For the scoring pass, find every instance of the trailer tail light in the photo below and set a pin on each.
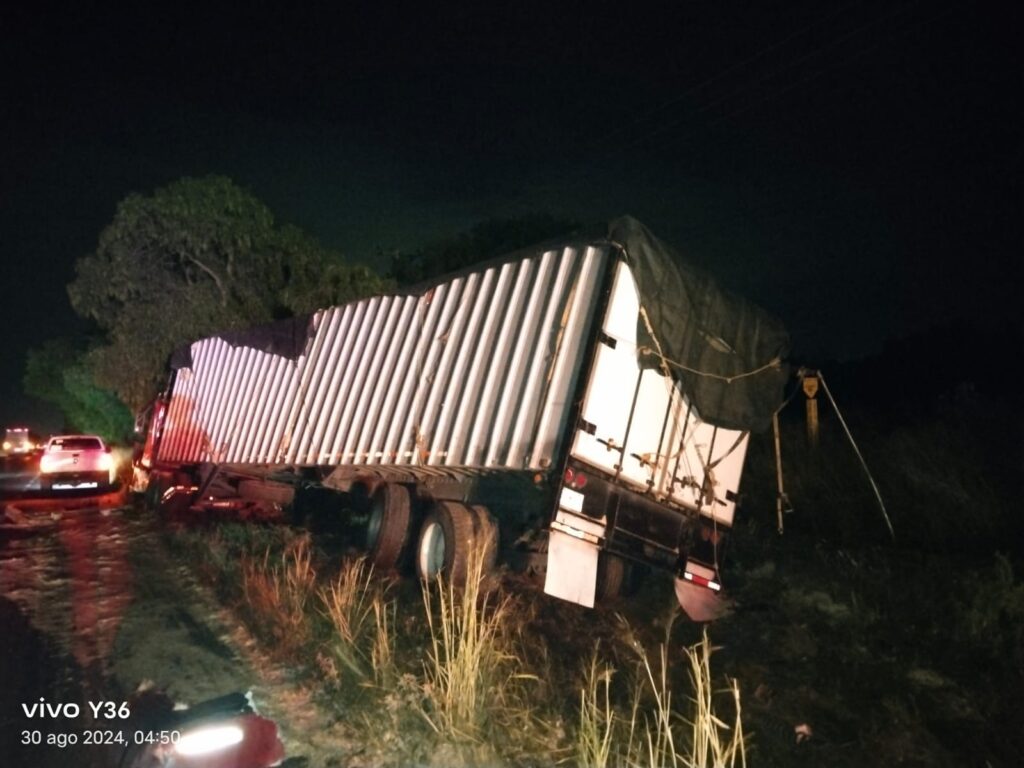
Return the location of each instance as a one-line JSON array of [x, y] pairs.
[[575, 479]]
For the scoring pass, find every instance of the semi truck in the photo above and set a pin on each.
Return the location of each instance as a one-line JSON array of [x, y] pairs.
[[579, 408]]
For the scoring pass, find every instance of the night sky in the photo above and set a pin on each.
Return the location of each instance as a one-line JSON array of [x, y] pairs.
[[853, 167]]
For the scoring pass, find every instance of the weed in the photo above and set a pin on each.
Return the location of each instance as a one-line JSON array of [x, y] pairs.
[[652, 734], [708, 745], [349, 603], [597, 717], [277, 593], [466, 673], [382, 652]]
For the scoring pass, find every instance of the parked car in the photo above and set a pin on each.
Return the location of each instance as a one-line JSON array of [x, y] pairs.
[[76, 461]]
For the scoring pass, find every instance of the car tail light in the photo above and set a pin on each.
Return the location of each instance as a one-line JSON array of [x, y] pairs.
[[106, 462], [46, 463]]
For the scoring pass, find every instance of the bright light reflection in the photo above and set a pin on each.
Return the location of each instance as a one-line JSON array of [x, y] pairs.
[[206, 740]]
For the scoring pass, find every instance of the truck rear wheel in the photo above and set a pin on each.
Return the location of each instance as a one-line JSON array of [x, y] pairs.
[[387, 529], [158, 483], [611, 575], [445, 540]]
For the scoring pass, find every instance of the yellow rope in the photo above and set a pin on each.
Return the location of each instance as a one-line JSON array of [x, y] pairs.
[[773, 363]]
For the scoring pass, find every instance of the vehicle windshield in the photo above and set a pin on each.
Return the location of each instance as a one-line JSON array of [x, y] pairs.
[[75, 444]]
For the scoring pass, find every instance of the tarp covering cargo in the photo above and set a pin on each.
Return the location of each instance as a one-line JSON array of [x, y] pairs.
[[725, 353]]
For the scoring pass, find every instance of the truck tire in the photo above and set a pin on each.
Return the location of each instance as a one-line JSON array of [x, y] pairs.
[[261, 490], [444, 543], [611, 575], [179, 501], [387, 529], [158, 483], [486, 533]]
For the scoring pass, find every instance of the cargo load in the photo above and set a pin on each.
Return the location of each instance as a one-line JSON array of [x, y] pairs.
[[578, 408]]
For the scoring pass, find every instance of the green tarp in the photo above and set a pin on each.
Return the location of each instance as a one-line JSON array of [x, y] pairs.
[[725, 353]]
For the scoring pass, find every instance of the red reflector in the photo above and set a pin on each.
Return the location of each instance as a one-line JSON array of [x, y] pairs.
[[702, 582], [696, 579], [581, 480], [569, 476]]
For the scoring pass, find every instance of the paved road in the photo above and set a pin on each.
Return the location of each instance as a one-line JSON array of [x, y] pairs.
[[19, 474], [91, 605]]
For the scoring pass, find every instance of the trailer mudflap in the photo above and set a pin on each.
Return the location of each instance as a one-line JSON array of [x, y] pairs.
[[573, 546], [699, 592]]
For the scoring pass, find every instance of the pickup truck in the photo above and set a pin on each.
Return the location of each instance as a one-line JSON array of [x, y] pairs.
[[76, 461]]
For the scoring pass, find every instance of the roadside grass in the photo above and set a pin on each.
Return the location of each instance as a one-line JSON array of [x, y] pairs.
[[908, 649], [652, 731], [362, 619], [878, 653], [277, 592], [458, 676]]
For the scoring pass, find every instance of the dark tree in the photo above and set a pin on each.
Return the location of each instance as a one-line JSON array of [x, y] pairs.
[[492, 237], [197, 257]]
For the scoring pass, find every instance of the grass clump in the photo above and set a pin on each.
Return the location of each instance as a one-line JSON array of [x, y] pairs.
[[467, 672], [277, 591], [361, 618], [652, 733], [597, 719], [442, 672]]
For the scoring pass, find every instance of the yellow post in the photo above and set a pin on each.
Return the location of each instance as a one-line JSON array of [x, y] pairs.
[[811, 389]]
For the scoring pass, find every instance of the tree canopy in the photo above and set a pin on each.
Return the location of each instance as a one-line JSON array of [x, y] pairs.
[[197, 257], [57, 373]]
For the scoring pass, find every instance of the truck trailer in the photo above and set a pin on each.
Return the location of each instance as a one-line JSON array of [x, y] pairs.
[[578, 408]]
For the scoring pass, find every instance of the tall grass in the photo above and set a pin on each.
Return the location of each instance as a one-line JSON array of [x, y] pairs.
[[467, 670], [277, 593], [456, 689], [355, 605], [653, 734], [597, 717], [712, 742], [382, 650]]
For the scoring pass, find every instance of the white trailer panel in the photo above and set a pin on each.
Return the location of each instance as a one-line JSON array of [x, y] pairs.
[[478, 372], [639, 427]]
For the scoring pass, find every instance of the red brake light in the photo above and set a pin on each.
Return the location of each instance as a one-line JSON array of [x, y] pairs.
[[575, 478]]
